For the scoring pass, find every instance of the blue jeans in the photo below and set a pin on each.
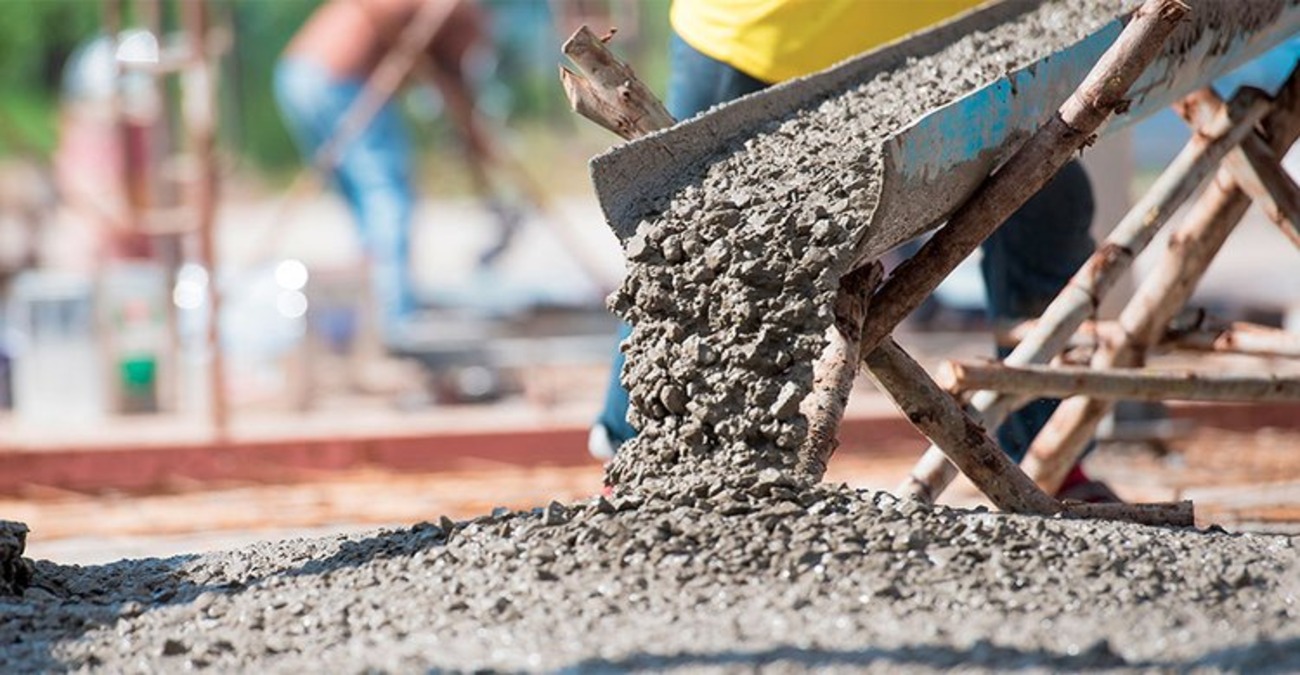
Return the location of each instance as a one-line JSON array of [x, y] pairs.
[[372, 174], [1026, 262]]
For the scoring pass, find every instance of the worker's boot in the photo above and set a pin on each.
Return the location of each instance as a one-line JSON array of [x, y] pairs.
[[1079, 487]]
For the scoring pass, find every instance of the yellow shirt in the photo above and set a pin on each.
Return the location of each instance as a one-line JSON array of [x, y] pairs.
[[776, 40]]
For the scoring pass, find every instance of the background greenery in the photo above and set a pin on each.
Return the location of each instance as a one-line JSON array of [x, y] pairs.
[[518, 88]]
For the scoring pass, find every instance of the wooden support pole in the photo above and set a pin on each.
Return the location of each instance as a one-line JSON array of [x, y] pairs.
[[610, 94], [835, 370], [199, 106], [937, 414], [1081, 296], [1254, 166], [1122, 383], [1238, 337], [1160, 296], [1170, 514], [1280, 198], [1028, 170]]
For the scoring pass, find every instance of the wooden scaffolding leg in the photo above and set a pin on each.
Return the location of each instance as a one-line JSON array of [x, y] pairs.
[[1079, 299], [1116, 383], [1255, 166], [1206, 335], [937, 414], [835, 370], [1160, 297]]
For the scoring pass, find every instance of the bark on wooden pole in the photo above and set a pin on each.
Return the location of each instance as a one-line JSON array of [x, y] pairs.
[[1280, 198], [199, 111], [1171, 514], [835, 370], [937, 414], [1238, 337], [1114, 384], [1028, 170], [1160, 296], [1255, 167], [1083, 293], [610, 94]]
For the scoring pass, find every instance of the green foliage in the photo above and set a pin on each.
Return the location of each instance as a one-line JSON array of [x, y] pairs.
[[36, 38], [251, 123], [520, 89]]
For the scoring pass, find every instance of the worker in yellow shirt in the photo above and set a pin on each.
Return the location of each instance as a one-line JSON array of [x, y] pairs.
[[723, 49]]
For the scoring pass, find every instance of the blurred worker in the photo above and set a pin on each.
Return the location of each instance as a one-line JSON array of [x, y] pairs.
[[324, 70], [723, 49]]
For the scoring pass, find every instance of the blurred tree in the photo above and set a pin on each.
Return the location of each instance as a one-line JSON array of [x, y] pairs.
[[517, 79], [36, 37], [250, 120]]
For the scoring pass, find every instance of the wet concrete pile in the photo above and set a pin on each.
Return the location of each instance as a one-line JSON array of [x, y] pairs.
[[15, 571], [730, 286], [769, 575]]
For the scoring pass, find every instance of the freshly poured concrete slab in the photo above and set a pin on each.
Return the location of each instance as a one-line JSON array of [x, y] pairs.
[[931, 164]]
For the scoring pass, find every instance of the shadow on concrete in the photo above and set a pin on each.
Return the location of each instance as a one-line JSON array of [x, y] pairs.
[[1264, 656], [64, 602]]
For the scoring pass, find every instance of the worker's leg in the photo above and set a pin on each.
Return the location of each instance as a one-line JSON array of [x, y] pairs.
[[302, 92], [612, 428], [372, 175], [1026, 263], [696, 83]]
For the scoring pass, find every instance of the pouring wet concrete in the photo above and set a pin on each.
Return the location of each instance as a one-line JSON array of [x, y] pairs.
[[730, 284]]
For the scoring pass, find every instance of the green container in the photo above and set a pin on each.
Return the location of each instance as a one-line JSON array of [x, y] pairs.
[[138, 379]]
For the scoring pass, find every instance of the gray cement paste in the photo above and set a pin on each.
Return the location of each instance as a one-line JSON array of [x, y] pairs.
[[774, 577], [730, 285]]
